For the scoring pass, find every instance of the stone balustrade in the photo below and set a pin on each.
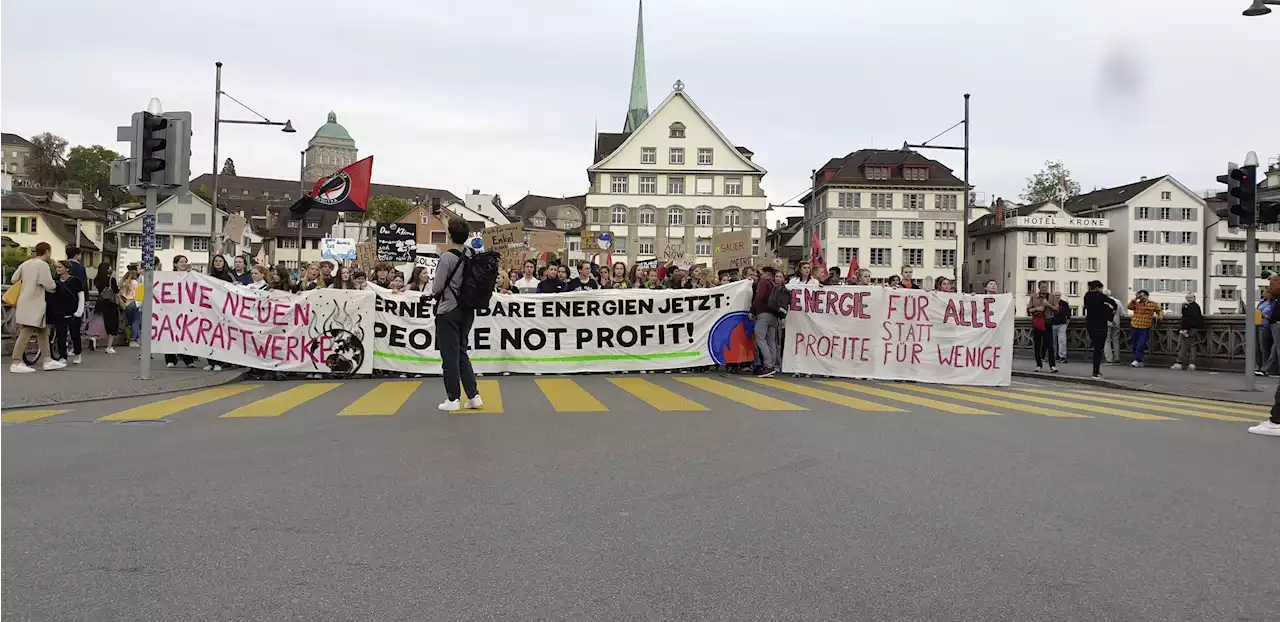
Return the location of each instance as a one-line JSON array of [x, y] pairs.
[[1221, 345]]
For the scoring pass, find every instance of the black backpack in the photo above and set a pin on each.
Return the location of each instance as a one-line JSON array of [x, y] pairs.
[[479, 278], [779, 300]]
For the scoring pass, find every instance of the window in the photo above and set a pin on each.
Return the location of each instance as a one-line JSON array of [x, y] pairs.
[[439, 237], [1187, 261], [913, 257], [881, 200], [1168, 237], [676, 155], [1031, 287], [1073, 239], [1142, 261], [1091, 264], [846, 255], [822, 230], [646, 247], [244, 192], [877, 172], [198, 244], [1164, 261], [755, 219], [944, 201], [1091, 239], [849, 199], [284, 242], [619, 184], [1050, 237], [620, 245], [675, 185], [702, 218], [882, 228], [702, 246], [677, 130], [847, 229], [1031, 237], [1144, 213], [1050, 263], [1033, 262], [648, 155], [291, 224], [1142, 237], [134, 241], [648, 216], [732, 218], [913, 229], [755, 247], [1073, 288], [733, 186], [945, 258], [618, 215], [1230, 268], [1073, 264], [1187, 214], [1166, 196], [648, 184], [1188, 237], [988, 243], [573, 244], [313, 224], [704, 156], [10, 224], [881, 256], [915, 173], [675, 216], [913, 201], [164, 218], [197, 219], [1236, 247], [1166, 213], [1189, 285]]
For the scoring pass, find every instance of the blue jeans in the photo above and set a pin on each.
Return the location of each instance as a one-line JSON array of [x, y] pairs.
[[1139, 336], [133, 315]]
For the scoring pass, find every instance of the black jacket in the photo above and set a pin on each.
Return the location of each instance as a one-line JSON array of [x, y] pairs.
[[1192, 317]]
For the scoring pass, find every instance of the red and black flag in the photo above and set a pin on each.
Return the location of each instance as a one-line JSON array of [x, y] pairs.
[[344, 191]]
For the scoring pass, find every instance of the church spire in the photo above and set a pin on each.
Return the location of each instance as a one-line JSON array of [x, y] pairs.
[[638, 108]]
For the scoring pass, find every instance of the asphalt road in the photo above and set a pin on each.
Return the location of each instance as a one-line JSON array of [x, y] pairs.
[[649, 510]]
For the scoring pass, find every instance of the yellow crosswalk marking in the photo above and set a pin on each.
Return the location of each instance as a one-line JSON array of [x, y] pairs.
[[282, 402], [657, 396], [947, 407], [384, 399], [1116, 412], [23, 416], [174, 405], [1223, 407], [491, 393], [824, 395], [567, 396], [758, 401], [978, 399], [1142, 399]]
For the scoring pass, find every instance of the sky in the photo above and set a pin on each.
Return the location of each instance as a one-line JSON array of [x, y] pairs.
[[504, 95]]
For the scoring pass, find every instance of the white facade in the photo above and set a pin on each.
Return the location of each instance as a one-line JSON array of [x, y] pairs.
[[1226, 251], [676, 180], [1044, 245], [181, 229]]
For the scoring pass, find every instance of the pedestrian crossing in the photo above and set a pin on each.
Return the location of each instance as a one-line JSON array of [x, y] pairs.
[[656, 394]]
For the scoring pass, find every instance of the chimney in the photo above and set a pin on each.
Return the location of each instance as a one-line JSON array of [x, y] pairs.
[[75, 200], [1144, 178], [475, 191]]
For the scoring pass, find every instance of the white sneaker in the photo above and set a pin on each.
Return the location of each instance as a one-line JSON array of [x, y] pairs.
[[51, 365], [1266, 428], [1135, 364], [76, 359], [473, 403], [1039, 369], [1191, 367], [1096, 377], [111, 350], [208, 367], [1176, 366], [134, 344], [450, 406], [63, 361], [20, 368], [217, 368], [168, 364]]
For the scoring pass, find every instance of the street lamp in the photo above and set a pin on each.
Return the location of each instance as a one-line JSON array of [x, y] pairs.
[[963, 251], [1259, 7], [286, 127]]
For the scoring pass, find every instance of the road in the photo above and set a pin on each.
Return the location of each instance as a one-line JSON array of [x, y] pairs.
[[641, 497]]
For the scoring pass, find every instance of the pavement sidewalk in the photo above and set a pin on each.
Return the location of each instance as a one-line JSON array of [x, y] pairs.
[[103, 376], [1213, 385]]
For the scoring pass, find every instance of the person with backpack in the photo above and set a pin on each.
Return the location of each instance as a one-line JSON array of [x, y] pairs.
[[467, 283], [780, 302], [766, 324]]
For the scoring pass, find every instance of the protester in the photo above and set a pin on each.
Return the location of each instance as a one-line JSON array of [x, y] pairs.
[[132, 312], [895, 281], [1271, 355], [1099, 315], [311, 278], [991, 287], [803, 275], [65, 309], [1058, 324], [284, 280], [382, 275], [862, 277], [77, 268], [833, 276], [106, 308], [241, 272], [419, 280], [908, 282], [219, 270], [1144, 317], [945, 285], [1041, 309], [780, 302], [453, 322], [343, 280], [504, 284], [180, 264], [1112, 349], [36, 280], [651, 280], [675, 279], [361, 279], [605, 279], [618, 275], [583, 281], [1189, 332], [766, 324], [550, 284], [326, 273]]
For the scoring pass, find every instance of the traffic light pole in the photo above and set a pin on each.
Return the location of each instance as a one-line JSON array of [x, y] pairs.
[[148, 279], [1250, 305]]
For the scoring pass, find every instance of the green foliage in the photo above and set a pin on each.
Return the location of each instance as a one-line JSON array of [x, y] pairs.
[[229, 168], [47, 162], [387, 209], [203, 192], [1052, 183], [89, 169], [11, 258]]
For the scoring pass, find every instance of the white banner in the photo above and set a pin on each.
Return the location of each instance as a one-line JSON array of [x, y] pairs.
[[591, 331], [321, 331], [900, 334]]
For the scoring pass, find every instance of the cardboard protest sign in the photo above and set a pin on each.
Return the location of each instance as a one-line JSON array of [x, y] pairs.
[[731, 249], [502, 236], [396, 241], [338, 249], [546, 241]]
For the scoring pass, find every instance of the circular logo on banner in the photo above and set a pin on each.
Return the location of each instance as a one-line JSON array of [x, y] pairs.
[[732, 339], [334, 190], [476, 243], [605, 241]]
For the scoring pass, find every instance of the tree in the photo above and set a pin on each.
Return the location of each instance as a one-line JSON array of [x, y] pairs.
[[1052, 183], [89, 168], [203, 192], [387, 209], [47, 162], [229, 168]]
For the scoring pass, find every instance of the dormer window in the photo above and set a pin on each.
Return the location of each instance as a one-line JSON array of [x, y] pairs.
[[877, 172], [915, 173], [677, 130]]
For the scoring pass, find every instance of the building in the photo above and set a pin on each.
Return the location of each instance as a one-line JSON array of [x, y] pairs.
[[14, 158], [329, 149], [786, 240], [1225, 247], [886, 209], [1157, 244], [671, 179], [1035, 243], [61, 219], [182, 228], [560, 214]]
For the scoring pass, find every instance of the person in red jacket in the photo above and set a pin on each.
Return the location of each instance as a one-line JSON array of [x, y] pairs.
[[766, 324]]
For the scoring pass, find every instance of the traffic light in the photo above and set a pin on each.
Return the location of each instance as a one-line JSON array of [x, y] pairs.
[[1268, 212], [1246, 191], [1236, 215], [152, 142]]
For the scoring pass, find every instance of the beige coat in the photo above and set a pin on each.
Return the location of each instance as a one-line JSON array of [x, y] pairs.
[[37, 279]]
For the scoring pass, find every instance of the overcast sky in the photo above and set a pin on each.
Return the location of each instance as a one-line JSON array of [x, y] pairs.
[[503, 95]]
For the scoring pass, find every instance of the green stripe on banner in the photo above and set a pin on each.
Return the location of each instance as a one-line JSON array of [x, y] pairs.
[[545, 359]]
